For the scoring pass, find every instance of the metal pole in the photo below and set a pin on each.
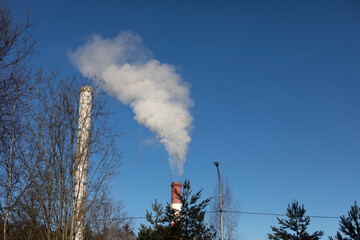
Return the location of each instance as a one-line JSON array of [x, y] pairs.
[[221, 204]]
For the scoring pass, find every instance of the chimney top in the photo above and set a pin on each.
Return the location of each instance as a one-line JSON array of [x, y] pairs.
[[86, 89]]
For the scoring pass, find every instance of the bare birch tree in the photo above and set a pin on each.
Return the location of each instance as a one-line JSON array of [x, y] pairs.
[[16, 83], [108, 220], [38, 129], [231, 213], [50, 157]]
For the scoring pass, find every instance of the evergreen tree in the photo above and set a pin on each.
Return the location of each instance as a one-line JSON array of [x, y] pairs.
[[349, 226], [297, 223], [158, 230], [188, 224]]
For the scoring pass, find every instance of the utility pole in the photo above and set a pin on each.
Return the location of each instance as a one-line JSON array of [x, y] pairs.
[[221, 204]]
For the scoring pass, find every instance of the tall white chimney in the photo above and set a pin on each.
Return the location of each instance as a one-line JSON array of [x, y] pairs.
[[81, 164]]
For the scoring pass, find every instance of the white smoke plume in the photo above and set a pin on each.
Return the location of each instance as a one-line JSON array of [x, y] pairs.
[[155, 91]]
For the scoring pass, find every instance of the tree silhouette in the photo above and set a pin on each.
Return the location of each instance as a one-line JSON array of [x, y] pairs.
[[296, 223], [349, 226]]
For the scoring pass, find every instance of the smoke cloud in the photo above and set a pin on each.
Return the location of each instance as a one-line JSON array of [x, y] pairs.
[[155, 91]]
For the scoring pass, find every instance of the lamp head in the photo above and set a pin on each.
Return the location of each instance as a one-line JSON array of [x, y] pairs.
[[216, 164]]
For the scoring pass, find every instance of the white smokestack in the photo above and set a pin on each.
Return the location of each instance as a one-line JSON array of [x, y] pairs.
[[154, 91], [81, 164]]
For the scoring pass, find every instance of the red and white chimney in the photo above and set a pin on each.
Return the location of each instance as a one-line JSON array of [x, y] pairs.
[[175, 201]]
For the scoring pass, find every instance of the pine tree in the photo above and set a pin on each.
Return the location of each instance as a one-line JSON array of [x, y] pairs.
[[297, 223], [157, 230], [349, 226], [189, 224]]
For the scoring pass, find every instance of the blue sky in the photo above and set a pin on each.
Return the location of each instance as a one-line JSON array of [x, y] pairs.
[[276, 92]]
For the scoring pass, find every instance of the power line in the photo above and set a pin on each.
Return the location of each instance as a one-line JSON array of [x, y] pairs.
[[116, 219], [253, 213], [239, 212], [280, 215]]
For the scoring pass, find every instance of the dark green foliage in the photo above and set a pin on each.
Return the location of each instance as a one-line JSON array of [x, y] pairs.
[[349, 226], [189, 224], [158, 230], [296, 223]]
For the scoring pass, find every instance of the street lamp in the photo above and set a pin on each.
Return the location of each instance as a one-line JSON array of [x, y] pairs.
[[221, 205]]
